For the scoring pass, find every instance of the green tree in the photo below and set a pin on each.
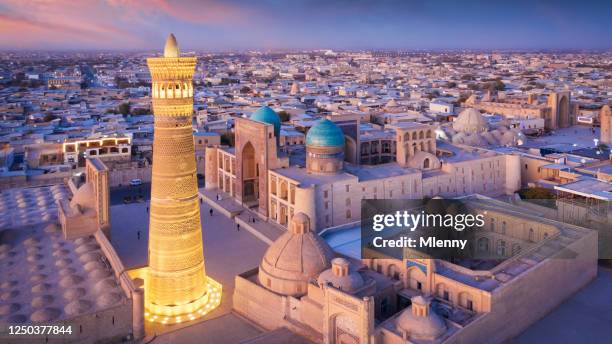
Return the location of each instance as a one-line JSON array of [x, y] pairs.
[[140, 112], [228, 139], [124, 109], [49, 117], [284, 116], [536, 193]]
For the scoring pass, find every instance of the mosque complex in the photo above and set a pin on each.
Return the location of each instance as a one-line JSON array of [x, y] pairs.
[[301, 283]]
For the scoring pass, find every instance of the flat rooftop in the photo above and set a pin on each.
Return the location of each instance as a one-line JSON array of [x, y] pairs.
[[300, 175], [589, 187], [463, 153], [381, 171]]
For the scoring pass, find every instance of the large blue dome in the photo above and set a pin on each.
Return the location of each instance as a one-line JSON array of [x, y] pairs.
[[325, 134], [266, 115]]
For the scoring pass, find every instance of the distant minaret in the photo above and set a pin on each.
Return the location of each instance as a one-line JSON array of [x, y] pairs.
[[605, 119], [176, 284], [295, 89]]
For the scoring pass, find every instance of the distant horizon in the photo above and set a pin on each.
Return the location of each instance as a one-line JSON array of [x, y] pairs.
[[295, 25], [297, 51]]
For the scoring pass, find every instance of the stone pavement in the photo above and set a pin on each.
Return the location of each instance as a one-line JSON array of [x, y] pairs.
[[226, 329], [227, 253], [263, 230]]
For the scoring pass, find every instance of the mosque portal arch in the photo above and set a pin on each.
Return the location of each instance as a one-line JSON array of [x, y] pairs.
[[249, 172]]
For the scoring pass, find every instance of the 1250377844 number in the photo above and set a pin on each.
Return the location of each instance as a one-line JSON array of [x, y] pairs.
[[39, 330]]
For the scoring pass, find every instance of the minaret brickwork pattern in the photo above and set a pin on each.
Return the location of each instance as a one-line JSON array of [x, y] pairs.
[[176, 282]]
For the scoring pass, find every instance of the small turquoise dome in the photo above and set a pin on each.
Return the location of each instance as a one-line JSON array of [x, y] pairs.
[[325, 134], [266, 115]]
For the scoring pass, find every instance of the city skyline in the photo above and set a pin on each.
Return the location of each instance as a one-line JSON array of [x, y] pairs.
[[272, 25]]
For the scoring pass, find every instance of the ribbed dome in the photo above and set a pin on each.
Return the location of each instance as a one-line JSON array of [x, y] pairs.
[[325, 134], [470, 121], [265, 114], [295, 258]]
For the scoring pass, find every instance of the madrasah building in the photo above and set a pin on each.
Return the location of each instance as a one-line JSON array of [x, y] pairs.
[[329, 297], [327, 183]]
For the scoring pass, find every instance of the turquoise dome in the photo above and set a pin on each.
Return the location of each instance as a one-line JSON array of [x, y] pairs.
[[325, 134], [266, 115]]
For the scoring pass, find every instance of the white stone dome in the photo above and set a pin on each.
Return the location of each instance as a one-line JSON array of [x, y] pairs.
[[108, 299], [470, 121], [295, 258], [9, 308], [74, 293], [42, 301], [45, 315], [77, 307]]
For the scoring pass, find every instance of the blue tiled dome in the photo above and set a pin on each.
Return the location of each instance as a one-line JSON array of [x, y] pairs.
[[266, 115], [325, 134]]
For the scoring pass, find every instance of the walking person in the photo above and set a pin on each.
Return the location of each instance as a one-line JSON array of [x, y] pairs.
[[237, 227], [210, 211], [138, 234]]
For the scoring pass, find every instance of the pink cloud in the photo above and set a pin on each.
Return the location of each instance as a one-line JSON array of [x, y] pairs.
[[118, 23]]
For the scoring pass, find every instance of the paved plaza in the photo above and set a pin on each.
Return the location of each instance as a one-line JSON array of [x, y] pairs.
[[227, 252]]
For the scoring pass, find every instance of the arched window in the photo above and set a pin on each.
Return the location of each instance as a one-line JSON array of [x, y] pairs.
[[426, 163], [421, 135], [501, 248], [483, 244]]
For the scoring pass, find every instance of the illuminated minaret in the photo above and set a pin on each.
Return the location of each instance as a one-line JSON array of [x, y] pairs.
[[176, 287]]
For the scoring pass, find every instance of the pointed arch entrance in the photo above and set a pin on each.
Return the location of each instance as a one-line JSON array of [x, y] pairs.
[[249, 173]]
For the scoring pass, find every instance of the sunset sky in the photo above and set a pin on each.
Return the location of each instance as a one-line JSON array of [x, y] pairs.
[[215, 25]]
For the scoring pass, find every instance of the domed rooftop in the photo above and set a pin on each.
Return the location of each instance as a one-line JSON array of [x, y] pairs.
[[341, 277], [470, 121], [265, 114], [295, 258], [391, 103], [420, 322], [325, 134]]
